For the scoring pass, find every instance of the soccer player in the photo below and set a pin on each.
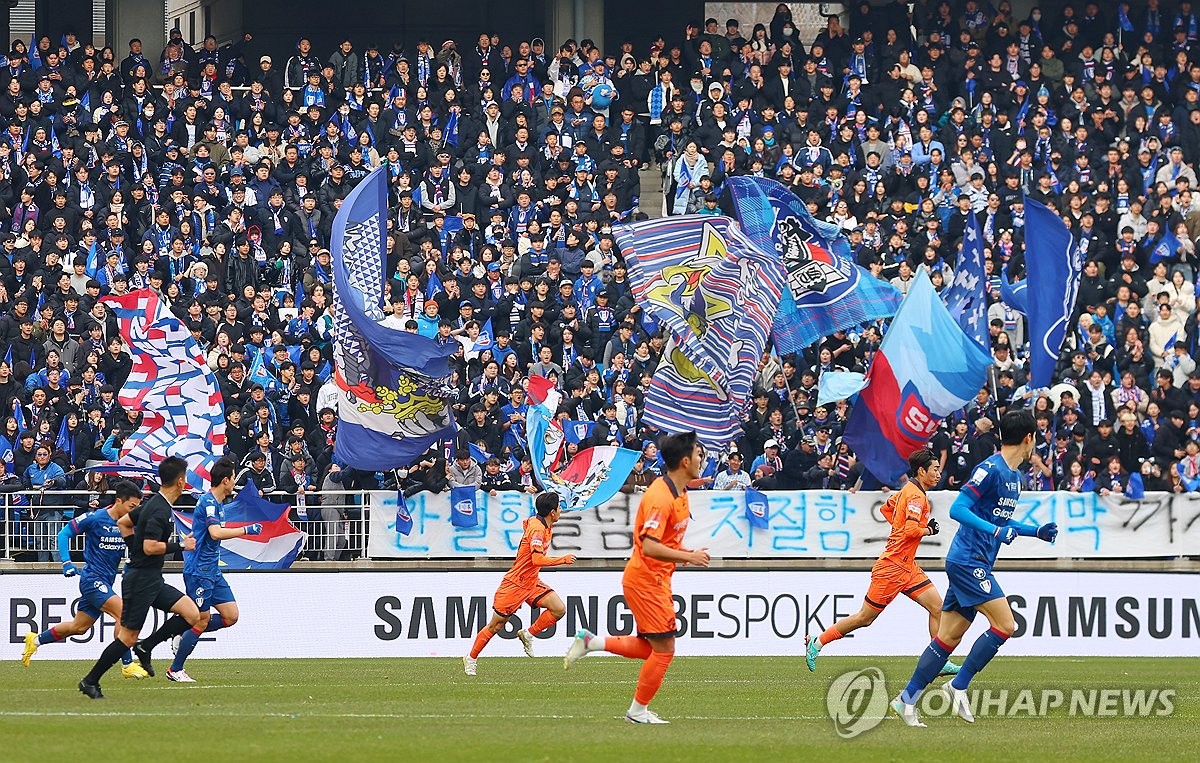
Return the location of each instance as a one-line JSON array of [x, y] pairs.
[[662, 518], [202, 576], [148, 531], [896, 571], [103, 550], [521, 584], [984, 510]]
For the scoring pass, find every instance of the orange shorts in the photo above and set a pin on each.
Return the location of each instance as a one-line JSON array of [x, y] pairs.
[[509, 598], [888, 583], [652, 607]]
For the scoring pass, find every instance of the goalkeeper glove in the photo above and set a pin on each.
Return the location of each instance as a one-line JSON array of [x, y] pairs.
[[254, 529], [1048, 532], [1005, 534], [934, 528], [70, 570]]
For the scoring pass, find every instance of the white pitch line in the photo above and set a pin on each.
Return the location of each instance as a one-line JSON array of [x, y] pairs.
[[383, 716]]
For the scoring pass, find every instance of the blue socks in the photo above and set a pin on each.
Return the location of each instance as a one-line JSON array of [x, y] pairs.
[[190, 638], [50, 636], [928, 667], [982, 652]]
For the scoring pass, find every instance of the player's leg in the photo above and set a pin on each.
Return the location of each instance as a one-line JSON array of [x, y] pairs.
[[139, 597], [553, 610], [633, 647], [650, 677], [928, 597], [186, 615], [129, 669], [493, 626], [1000, 618], [883, 589], [206, 593]]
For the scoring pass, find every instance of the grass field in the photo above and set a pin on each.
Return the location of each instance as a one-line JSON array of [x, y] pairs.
[[722, 709]]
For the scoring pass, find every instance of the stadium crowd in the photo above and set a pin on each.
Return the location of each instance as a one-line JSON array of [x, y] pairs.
[[212, 176]]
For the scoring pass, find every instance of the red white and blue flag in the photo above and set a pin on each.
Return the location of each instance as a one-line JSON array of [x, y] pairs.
[[592, 476], [926, 369], [717, 293], [174, 389], [275, 548]]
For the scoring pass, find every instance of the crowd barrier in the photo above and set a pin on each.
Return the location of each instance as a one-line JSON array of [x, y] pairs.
[[801, 525]]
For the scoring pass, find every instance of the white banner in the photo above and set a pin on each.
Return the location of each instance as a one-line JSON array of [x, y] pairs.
[[720, 612], [804, 524]]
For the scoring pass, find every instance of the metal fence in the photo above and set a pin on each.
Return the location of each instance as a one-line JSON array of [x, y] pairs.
[[336, 522]]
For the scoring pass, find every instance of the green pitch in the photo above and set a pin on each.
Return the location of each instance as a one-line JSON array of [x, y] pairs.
[[722, 709]]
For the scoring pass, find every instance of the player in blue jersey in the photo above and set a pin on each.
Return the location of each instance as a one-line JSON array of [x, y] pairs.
[[201, 571], [984, 510], [103, 550]]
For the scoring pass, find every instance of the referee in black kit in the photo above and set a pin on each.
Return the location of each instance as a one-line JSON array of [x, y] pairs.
[[148, 532]]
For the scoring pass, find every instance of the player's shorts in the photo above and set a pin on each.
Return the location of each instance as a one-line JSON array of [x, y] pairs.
[[888, 583], [509, 598], [208, 592], [969, 586], [652, 607], [141, 592], [92, 596]]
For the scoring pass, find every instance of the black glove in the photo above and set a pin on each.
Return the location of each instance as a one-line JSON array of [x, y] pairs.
[[934, 529]]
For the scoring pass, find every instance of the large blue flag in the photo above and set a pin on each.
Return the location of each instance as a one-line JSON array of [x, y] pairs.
[[275, 548], [1014, 293], [1167, 248], [926, 368], [1053, 263], [966, 299], [716, 292], [827, 291], [393, 384]]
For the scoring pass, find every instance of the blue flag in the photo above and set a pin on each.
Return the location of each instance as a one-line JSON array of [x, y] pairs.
[[35, 55], [577, 431], [839, 385], [966, 299], [1089, 484], [827, 291], [394, 385], [758, 510], [8, 357], [926, 369], [485, 340], [275, 548], [260, 375], [65, 442], [93, 260], [404, 521], [462, 507], [1136, 489], [716, 292], [19, 415], [478, 454], [1054, 264], [1013, 293], [1167, 248]]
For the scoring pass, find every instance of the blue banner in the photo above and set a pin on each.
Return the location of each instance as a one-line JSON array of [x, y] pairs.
[[1053, 263], [462, 507], [827, 291], [758, 510]]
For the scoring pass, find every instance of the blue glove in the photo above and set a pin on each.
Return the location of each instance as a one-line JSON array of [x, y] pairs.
[[254, 529], [1048, 532], [1005, 534], [70, 570]]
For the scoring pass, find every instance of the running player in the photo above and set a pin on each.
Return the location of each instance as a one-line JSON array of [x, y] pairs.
[[202, 576], [896, 571], [984, 510], [103, 550], [521, 584], [662, 518], [148, 531]]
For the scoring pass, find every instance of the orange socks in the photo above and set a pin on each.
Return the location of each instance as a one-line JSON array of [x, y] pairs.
[[651, 676], [628, 646], [544, 621], [830, 634], [481, 640]]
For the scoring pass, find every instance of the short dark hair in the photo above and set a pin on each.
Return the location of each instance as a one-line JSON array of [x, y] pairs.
[[171, 469], [675, 447], [1015, 426], [126, 490], [222, 470], [545, 503], [920, 459]]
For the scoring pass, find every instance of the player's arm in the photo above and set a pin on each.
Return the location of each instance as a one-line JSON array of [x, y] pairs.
[[70, 529], [655, 549], [537, 549], [907, 519], [156, 528], [1047, 532], [125, 525], [220, 532]]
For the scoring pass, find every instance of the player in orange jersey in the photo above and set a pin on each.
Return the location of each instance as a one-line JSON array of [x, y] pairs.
[[521, 584], [896, 571], [662, 518]]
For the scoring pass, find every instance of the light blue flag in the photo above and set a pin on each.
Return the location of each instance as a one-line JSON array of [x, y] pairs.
[[839, 385], [1054, 264], [966, 298]]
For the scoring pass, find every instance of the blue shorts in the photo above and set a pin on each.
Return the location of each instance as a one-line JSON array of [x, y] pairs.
[[208, 592], [969, 586], [92, 595]]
